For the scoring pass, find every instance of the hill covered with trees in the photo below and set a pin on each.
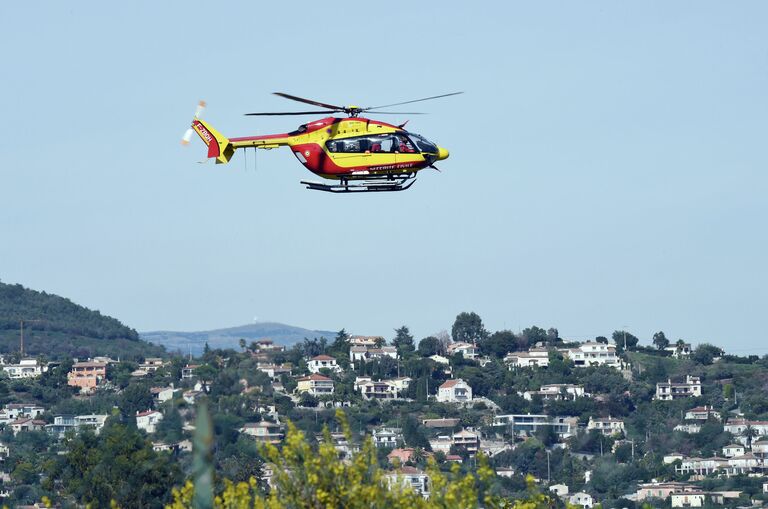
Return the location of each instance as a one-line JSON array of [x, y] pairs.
[[58, 327]]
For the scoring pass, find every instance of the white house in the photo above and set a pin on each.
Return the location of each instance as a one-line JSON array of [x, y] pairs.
[[323, 362], [556, 392], [593, 353], [729, 451], [688, 499], [583, 499], [669, 390], [559, 489], [13, 411], [743, 464], [440, 359], [534, 358], [702, 413], [264, 431], [387, 437], [27, 424], [677, 351], [760, 448], [274, 371], [688, 428], [529, 424], [454, 391], [606, 425], [467, 350], [466, 439], [410, 477], [148, 420], [26, 368]]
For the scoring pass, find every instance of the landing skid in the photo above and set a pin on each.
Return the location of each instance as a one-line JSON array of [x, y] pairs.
[[374, 185]]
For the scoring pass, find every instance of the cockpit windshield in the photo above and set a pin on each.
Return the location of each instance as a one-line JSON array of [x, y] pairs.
[[424, 144]]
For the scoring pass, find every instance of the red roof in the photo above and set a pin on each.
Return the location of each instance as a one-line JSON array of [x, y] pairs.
[[316, 378], [450, 383], [323, 358], [148, 412]]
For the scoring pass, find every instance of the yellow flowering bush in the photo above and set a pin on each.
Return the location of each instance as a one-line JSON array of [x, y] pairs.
[[316, 478]]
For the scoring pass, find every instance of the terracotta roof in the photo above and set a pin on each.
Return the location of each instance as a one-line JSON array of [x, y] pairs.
[[316, 378], [323, 358], [148, 412], [450, 383]]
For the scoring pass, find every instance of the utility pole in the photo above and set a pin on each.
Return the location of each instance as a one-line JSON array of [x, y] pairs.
[[549, 478], [21, 334]]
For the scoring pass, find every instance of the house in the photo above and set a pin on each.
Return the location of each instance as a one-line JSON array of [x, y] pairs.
[[688, 428], [743, 464], [151, 364], [404, 455], [559, 489], [358, 353], [64, 423], [680, 350], [533, 358], [760, 449], [267, 345], [264, 431], [315, 364], [388, 438], [729, 451], [454, 391], [13, 411], [582, 499], [688, 499], [702, 466], [315, 384], [671, 458], [410, 478], [440, 423], [87, 375], [592, 353], [440, 359], [162, 394], [340, 443], [366, 340], [381, 390], [606, 425], [274, 371], [668, 391], [466, 439], [192, 396], [188, 371], [26, 368], [27, 424], [441, 443], [740, 426], [148, 420], [528, 424], [702, 413], [661, 490], [467, 350], [556, 392]]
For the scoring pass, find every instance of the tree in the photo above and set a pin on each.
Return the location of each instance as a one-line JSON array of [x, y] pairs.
[[660, 340], [601, 339], [706, 353], [135, 398], [340, 344], [118, 464], [403, 341], [624, 340], [468, 328], [499, 343], [242, 344], [429, 346]]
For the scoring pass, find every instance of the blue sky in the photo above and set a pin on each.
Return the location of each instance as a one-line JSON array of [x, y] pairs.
[[607, 169]]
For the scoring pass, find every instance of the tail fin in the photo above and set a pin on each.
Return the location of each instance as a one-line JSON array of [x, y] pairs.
[[218, 145]]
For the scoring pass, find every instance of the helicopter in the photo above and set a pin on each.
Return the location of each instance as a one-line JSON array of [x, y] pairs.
[[360, 154]]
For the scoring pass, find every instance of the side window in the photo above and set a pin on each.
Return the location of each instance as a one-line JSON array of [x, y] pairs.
[[381, 144], [404, 145]]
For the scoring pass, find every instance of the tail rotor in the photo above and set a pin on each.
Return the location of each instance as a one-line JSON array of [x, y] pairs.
[[188, 135]]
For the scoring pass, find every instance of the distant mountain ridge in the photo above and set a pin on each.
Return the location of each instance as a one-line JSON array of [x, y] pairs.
[[57, 327], [194, 342]]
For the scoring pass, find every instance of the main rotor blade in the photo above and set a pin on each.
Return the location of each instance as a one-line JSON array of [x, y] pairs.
[[293, 113], [414, 101], [309, 101], [397, 113]]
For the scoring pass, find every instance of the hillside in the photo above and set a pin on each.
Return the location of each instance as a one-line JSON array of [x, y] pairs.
[[230, 337], [57, 327]]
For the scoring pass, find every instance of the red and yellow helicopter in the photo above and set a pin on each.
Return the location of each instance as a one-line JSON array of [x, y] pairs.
[[364, 155]]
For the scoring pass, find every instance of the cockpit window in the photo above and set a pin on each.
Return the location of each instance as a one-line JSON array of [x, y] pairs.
[[424, 144]]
